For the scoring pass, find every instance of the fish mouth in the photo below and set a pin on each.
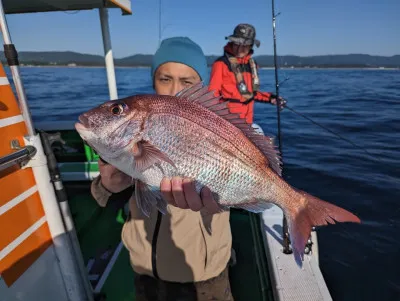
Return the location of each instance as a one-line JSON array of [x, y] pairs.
[[80, 127], [83, 131], [84, 120], [83, 125]]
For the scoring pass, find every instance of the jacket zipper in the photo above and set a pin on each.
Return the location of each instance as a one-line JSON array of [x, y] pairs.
[[154, 245]]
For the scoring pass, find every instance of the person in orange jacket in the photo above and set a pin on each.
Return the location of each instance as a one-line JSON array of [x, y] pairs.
[[234, 76]]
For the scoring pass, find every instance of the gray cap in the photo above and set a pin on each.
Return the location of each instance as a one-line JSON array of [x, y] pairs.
[[244, 34]]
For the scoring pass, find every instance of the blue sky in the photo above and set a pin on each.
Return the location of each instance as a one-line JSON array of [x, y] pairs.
[[308, 27]]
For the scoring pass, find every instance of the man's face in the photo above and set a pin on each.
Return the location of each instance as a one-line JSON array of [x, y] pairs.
[[170, 78], [241, 50]]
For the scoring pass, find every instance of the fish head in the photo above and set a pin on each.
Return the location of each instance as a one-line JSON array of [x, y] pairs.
[[113, 127]]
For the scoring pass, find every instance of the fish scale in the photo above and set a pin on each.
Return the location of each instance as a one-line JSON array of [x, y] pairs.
[[232, 180]]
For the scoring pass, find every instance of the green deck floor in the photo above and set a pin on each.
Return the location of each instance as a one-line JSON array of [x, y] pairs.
[[99, 234]]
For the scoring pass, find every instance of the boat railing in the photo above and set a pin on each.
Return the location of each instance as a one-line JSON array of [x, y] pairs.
[[21, 156]]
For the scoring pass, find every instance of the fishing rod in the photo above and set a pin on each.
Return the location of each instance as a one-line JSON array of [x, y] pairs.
[[332, 132], [285, 232], [278, 111]]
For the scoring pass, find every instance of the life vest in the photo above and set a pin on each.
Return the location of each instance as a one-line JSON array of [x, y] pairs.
[[237, 68], [228, 75]]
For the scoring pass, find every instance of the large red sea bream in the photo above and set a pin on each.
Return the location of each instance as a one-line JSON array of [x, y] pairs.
[[193, 135]]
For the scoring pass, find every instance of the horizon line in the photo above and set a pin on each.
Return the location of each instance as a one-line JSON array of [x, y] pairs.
[[254, 55]]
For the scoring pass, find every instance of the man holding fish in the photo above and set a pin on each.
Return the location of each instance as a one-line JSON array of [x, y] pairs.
[[175, 248]]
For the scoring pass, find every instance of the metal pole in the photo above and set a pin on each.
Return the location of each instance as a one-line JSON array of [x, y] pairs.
[[276, 79], [12, 60], [62, 244], [285, 232], [112, 84], [159, 23], [62, 198]]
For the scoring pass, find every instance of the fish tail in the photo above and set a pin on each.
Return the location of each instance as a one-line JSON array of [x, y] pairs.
[[315, 212]]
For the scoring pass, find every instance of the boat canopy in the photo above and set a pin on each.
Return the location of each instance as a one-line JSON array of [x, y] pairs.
[[36, 6]]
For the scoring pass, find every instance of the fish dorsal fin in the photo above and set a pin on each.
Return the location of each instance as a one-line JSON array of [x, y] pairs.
[[197, 93], [187, 92], [201, 95], [264, 143], [266, 146]]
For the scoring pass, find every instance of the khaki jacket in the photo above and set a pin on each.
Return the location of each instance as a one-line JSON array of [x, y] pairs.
[[181, 246]]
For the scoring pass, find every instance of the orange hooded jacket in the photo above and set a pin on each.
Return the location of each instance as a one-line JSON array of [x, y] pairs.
[[223, 82]]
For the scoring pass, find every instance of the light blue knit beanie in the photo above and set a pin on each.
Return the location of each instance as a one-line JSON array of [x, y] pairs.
[[181, 50]]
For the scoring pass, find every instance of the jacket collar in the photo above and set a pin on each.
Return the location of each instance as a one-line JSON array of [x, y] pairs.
[[241, 60]]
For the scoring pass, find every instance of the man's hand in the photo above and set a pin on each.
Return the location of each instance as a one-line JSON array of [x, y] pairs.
[[269, 97], [113, 179], [181, 193], [282, 101]]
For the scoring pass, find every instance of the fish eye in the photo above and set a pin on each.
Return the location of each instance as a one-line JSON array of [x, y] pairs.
[[117, 109]]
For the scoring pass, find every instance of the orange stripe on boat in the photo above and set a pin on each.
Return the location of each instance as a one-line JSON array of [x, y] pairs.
[[2, 71], [22, 257], [9, 133], [15, 183], [8, 103], [127, 10], [26, 216], [9, 108], [19, 218]]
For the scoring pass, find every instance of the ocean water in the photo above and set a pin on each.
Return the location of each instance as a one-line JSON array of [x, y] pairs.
[[358, 262]]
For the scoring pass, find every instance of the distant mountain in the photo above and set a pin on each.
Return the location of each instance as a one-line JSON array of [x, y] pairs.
[[56, 58], [352, 60], [64, 58], [134, 60]]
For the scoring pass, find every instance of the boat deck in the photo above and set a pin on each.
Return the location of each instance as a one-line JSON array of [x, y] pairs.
[[292, 282]]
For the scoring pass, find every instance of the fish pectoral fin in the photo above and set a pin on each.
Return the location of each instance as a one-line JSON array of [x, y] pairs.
[[146, 198], [146, 154]]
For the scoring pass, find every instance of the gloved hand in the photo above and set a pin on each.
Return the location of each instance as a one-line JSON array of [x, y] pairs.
[[269, 97], [282, 101], [262, 96]]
